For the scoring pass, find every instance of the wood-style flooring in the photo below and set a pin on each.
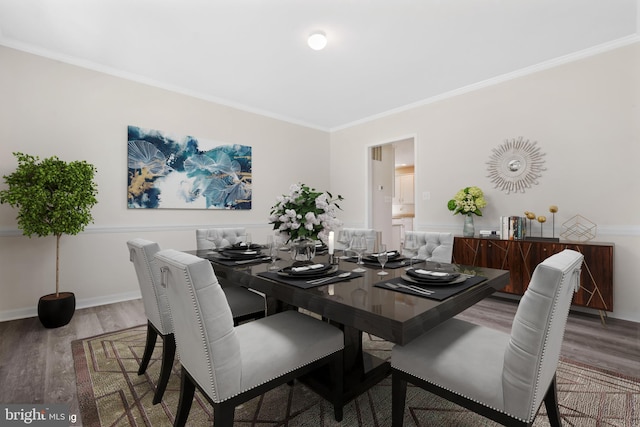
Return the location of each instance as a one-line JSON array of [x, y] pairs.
[[36, 364]]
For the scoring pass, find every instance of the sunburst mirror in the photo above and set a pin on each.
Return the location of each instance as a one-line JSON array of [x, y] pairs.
[[515, 165]]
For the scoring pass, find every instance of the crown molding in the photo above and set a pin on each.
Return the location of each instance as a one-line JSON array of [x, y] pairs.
[[556, 62], [100, 68]]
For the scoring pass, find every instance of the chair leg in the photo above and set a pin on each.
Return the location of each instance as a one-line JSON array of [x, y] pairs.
[[152, 335], [398, 400], [223, 414], [551, 404], [187, 390], [168, 354], [337, 375]]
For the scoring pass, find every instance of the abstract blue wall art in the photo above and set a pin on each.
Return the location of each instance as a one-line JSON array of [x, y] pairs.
[[182, 172]]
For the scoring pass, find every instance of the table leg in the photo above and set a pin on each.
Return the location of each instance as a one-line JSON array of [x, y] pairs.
[[362, 370]]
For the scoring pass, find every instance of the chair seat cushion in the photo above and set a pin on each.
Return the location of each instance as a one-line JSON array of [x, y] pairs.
[[288, 340], [242, 301], [458, 356]]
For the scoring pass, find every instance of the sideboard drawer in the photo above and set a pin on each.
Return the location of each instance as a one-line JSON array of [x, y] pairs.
[[521, 257]]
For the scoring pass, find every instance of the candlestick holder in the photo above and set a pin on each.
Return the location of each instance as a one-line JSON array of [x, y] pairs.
[[541, 219]]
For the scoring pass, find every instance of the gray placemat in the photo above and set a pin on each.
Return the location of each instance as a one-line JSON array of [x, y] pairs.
[[302, 282], [440, 292]]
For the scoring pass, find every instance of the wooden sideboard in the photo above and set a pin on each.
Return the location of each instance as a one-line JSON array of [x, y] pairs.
[[521, 257]]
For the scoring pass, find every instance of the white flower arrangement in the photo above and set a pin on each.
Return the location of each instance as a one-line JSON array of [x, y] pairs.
[[305, 213]]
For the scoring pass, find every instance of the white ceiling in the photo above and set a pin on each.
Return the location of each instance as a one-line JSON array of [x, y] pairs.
[[382, 55]]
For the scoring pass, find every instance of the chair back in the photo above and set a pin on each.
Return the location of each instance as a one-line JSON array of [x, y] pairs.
[[533, 352], [217, 238], [154, 298], [346, 234], [203, 323], [432, 246]]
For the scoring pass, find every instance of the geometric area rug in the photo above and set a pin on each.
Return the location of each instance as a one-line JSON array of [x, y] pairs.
[[111, 393]]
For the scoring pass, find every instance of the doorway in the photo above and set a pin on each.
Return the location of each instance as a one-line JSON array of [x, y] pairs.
[[392, 189]]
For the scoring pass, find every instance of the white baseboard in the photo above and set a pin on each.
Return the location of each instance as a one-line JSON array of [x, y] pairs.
[[23, 313]]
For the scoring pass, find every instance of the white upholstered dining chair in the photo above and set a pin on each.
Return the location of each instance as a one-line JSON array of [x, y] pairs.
[[504, 377], [231, 365], [218, 238], [343, 239], [431, 246], [156, 307], [245, 305]]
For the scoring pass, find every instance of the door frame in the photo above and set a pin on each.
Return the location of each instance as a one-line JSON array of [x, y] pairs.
[[369, 186]]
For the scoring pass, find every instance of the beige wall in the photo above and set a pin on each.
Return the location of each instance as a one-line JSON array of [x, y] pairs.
[[585, 116], [51, 108]]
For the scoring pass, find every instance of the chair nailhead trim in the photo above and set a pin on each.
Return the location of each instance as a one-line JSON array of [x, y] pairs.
[[215, 397], [202, 333], [284, 373], [533, 411], [462, 395]]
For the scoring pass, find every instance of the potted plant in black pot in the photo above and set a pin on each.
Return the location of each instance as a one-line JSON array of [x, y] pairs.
[[53, 197]]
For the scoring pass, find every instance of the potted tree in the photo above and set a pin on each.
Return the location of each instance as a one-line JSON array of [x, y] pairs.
[[53, 197]]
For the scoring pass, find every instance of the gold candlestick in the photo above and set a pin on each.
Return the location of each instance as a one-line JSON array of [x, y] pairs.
[[541, 219], [553, 209], [530, 216]]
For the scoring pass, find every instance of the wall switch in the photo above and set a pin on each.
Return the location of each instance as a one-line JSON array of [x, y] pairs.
[[426, 195]]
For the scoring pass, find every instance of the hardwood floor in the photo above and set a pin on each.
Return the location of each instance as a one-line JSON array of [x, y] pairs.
[[614, 346], [36, 364]]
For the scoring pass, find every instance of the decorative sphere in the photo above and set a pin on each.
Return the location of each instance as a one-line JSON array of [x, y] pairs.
[[514, 165], [530, 215], [542, 218], [553, 209]]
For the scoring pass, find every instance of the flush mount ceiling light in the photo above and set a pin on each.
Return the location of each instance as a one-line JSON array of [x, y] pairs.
[[317, 40]]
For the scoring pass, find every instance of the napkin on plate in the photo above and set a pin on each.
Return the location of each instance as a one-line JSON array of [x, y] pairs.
[[306, 267], [431, 273], [390, 253]]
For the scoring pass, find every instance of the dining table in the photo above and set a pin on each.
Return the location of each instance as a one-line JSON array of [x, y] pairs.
[[362, 302]]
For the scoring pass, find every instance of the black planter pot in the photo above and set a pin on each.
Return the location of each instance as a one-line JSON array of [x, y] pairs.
[[54, 312]]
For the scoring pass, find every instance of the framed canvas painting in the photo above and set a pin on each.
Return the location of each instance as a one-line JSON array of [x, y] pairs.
[[166, 171]]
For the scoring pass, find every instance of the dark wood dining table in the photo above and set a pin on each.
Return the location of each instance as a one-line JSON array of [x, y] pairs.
[[357, 305]]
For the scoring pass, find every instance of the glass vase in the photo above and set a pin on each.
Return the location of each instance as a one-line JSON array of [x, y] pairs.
[[303, 250], [468, 230]]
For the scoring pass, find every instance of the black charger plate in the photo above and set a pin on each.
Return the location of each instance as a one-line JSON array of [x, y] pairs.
[[235, 254], [325, 270]]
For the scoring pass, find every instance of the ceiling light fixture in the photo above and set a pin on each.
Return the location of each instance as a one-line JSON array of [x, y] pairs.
[[317, 40]]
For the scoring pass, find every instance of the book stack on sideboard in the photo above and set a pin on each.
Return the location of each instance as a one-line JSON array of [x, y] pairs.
[[513, 227]]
